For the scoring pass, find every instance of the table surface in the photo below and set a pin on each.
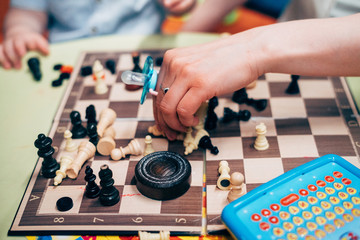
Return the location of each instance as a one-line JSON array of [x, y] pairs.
[[28, 107]]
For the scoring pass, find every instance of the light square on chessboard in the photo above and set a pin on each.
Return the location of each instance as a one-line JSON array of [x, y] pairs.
[[248, 129], [109, 79], [288, 107], [133, 202], [328, 125], [125, 129], [321, 107], [336, 144], [297, 146], [145, 110], [277, 77], [119, 169], [292, 126], [261, 170], [229, 148], [83, 104], [120, 94], [260, 91], [52, 194], [316, 89], [216, 199], [158, 144]]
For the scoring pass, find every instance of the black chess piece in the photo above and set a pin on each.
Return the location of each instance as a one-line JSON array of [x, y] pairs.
[[211, 117], [92, 133], [78, 130], [109, 195], [241, 97], [90, 114], [92, 189], [34, 66], [293, 87], [49, 164], [110, 64], [205, 143]]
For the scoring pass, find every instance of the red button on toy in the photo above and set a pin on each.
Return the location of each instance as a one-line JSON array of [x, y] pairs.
[[275, 207], [320, 183], [346, 181], [265, 212], [329, 179], [312, 187], [337, 174], [264, 226], [255, 217], [303, 192]]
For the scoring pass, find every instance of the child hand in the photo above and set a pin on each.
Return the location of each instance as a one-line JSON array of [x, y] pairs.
[[16, 45], [178, 7]]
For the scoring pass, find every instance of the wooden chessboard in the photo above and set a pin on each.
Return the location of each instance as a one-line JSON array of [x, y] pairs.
[[317, 121]]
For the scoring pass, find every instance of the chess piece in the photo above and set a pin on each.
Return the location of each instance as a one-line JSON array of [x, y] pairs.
[[49, 165], [107, 118], [110, 64], [99, 77], [237, 186], [91, 114], [92, 133], [70, 146], [148, 145], [34, 66], [293, 87], [109, 195], [211, 117], [86, 151], [223, 182], [162, 235], [107, 143], [78, 130], [133, 148], [261, 142], [92, 190], [65, 162]]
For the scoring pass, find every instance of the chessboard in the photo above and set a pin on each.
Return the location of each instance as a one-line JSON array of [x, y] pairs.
[[318, 120]]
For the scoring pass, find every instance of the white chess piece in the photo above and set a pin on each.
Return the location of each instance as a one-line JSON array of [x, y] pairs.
[[65, 162], [99, 77], [148, 145], [107, 143], [133, 148], [237, 186], [86, 151], [223, 182], [107, 118], [261, 142], [70, 146]]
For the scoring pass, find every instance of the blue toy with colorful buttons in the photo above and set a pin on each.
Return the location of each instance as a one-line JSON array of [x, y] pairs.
[[317, 200]]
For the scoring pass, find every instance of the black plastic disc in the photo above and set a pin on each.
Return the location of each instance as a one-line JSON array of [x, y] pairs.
[[64, 204], [163, 175]]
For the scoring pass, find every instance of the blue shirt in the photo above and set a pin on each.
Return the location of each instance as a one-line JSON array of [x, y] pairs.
[[72, 19]]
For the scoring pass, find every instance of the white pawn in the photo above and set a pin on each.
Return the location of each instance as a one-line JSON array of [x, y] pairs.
[[70, 146], [261, 143], [223, 182], [133, 148], [107, 118], [237, 186], [65, 162], [162, 235], [148, 145]]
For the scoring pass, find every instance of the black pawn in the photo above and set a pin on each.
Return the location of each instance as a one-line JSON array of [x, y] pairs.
[[205, 143], [92, 189], [34, 66], [92, 133], [109, 195], [90, 114], [211, 117], [110, 64], [49, 165], [78, 130], [293, 87]]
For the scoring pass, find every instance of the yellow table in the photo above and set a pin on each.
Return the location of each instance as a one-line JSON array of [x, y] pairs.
[[28, 107]]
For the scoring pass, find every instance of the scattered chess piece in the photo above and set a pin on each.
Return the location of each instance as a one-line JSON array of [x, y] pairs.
[[86, 151], [293, 87], [107, 143], [107, 118], [92, 190], [237, 186], [223, 181], [78, 130], [91, 114], [70, 146], [211, 117], [92, 133], [110, 64], [99, 77], [65, 162], [133, 148], [148, 145], [162, 235], [261, 142], [49, 165], [109, 195], [34, 66]]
